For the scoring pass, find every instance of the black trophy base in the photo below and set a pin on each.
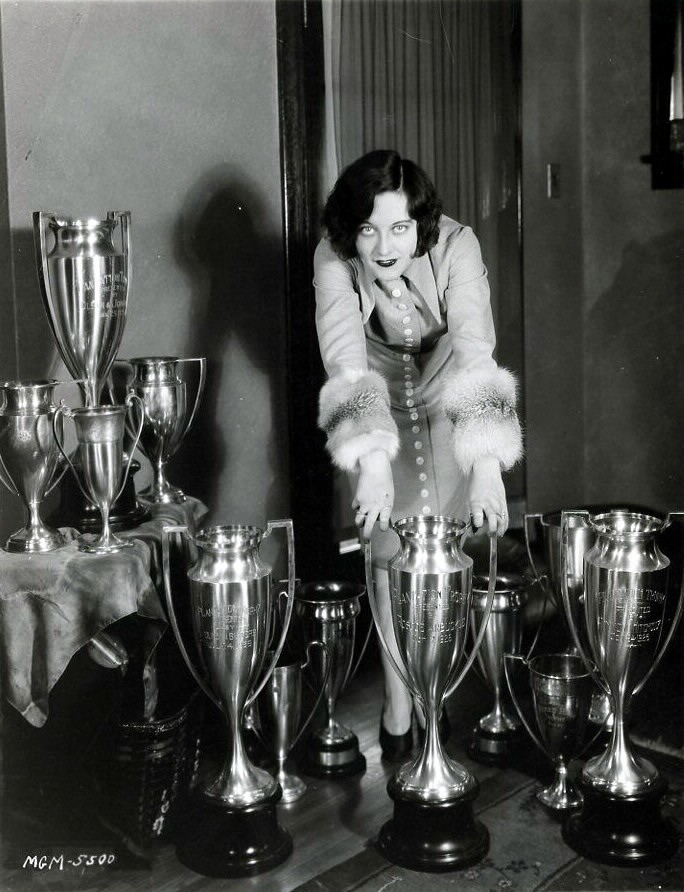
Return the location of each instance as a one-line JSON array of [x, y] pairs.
[[489, 748], [433, 837], [331, 760], [625, 831], [216, 840]]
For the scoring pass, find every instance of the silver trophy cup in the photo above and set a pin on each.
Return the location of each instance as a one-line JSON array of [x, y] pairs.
[[233, 829], [84, 275], [160, 383], [628, 626], [100, 434], [561, 688], [328, 612], [29, 458], [279, 716], [497, 732], [430, 583]]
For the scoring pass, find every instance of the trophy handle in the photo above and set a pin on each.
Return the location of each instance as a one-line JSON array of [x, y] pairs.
[[493, 549], [673, 626], [362, 653], [130, 397], [289, 529], [166, 571], [403, 675], [200, 387], [63, 409], [319, 697], [542, 580], [6, 478], [565, 593], [518, 708], [124, 218]]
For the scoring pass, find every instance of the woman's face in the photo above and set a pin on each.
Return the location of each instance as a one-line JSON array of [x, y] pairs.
[[386, 241]]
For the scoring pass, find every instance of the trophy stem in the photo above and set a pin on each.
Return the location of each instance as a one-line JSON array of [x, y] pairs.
[[617, 769], [562, 794]]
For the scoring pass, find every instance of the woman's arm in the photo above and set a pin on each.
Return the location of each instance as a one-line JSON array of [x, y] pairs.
[[479, 397]]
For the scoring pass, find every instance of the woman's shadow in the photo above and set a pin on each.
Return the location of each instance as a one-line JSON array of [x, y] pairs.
[[235, 266]]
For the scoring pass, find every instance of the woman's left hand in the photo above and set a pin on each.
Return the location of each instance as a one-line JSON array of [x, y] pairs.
[[487, 496]]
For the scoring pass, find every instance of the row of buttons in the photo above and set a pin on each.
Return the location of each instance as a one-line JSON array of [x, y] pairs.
[[410, 391]]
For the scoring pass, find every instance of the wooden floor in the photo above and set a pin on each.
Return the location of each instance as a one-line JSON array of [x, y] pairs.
[[335, 821]]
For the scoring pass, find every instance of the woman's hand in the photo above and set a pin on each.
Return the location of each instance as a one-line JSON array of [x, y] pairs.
[[374, 495], [487, 497]]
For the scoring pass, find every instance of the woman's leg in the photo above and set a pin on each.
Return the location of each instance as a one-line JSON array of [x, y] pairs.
[[396, 714]]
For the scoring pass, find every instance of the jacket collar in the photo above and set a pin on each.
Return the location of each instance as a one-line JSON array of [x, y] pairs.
[[420, 276]]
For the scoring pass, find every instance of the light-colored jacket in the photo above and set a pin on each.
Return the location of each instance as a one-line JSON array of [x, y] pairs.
[[477, 396]]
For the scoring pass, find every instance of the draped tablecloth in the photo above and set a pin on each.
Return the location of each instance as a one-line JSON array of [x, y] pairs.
[[53, 604]]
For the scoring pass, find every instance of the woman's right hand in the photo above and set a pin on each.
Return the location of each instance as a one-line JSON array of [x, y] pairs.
[[374, 495]]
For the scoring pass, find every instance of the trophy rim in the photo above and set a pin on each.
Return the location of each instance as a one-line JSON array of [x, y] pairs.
[[436, 521], [510, 594], [567, 658], [154, 359], [84, 222], [31, 384], [333, 588], [603, 523], [211, 537]]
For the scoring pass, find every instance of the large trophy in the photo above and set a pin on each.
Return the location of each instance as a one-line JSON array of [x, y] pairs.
[[430, 582], [629, 624], [160, 383], [495, 737], [561, 690], [100, 434], [29, 458], [84, 275], [327, 612], [232, 828]]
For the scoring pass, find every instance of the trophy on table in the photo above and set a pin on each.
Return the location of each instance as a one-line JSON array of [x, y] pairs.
[[232, 828], [430, 579], [629, 625], [160, 383], [100, 434], [561, 690], [84, 272], [496, 734], [29, 458], [327, 612]]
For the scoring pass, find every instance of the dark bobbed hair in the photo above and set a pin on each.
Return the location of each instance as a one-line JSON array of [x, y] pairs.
[[352, 198]]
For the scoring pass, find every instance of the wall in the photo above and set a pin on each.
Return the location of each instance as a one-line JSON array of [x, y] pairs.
[[168, 110], [602, 265]]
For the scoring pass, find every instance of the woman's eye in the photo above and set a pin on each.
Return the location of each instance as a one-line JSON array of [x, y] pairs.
[[365, 230], [400, 227]]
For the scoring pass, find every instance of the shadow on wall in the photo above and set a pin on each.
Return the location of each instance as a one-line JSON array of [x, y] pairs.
[[234, 266], [634, 402]]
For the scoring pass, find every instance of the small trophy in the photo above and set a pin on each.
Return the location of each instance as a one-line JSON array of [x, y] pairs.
[[167, 418], [327, 612], [279, 717], [29, 458], [496, 734], [100, 434], [231, 829], [561, 691], [629, 625], [430, 580]]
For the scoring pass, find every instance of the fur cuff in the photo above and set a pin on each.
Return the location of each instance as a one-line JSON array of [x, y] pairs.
[[481, 407], [354, 413]]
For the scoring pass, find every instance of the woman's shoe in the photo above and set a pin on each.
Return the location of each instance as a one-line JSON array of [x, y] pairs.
[[443, 727], [395, 747]]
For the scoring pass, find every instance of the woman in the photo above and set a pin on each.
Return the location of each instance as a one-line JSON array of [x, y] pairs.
[[415, 408]]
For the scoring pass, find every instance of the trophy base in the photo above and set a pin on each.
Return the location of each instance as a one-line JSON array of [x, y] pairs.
[[433, 836], [626, 831], [340, 758], [490, 748], [25, 542], [215, 840]]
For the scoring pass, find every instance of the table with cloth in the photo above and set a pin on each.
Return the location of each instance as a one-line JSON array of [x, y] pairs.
[[67, 618]]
